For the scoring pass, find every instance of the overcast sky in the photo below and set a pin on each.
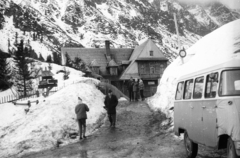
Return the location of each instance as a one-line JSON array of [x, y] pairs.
[[234, 4]]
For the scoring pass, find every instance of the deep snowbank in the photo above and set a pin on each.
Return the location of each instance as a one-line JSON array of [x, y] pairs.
[[215, 48], [49, 121]]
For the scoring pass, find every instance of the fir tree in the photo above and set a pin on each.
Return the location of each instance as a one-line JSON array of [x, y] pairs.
[[68, 60], [79, 64], [4, 73], [23, 75], [40, 57], [33, 54], [49, 58], [56, 58]]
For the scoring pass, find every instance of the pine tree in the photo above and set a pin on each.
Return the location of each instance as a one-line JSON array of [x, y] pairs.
[[40, 57], [49, 58], [4, 73], [56, 58], [23, 75], [68, 60]]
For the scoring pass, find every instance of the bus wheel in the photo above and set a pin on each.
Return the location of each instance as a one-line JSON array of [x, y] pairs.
[[191, 147], [231, 152]]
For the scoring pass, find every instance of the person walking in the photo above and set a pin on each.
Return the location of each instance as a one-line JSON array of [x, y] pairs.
[[111, 103], [141, 88], [130, 89], [135, 91], [138, 91], [81, 111]]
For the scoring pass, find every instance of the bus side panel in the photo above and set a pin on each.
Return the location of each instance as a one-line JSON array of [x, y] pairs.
[[195, 131], [210, 123], [181, 116]]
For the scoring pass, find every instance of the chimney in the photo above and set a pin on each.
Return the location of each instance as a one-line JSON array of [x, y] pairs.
[[107, 45]]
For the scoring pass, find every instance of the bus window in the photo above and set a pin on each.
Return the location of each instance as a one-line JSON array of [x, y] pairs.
[[230, 83], [198, 88], [179, 91], [188, 89], [211, 85]]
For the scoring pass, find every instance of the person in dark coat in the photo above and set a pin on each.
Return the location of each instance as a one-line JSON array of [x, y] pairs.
[[134, 90], [81, 111], [141, 88], [111, 103], [138, 90], [130, 89]]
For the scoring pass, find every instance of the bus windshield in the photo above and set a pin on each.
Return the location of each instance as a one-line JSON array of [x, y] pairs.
[[230, 83]]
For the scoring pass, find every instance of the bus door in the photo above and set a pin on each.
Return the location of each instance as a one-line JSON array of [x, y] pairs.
[[195, 106], [209, 111]]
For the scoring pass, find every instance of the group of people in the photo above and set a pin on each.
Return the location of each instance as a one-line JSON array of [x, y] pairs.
[[135, 89], [81, 110]]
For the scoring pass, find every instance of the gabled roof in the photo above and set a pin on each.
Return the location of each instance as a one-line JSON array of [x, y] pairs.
[[98, 54], [142, 52]]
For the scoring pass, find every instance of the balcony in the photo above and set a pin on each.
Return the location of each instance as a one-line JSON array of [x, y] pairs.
[[149, 76]]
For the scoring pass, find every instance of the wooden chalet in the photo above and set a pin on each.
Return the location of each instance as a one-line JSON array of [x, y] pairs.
[[118, 65]]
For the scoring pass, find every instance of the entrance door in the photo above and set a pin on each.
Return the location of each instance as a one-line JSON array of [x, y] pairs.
[[209, 111], [196, 123], [195, 106]]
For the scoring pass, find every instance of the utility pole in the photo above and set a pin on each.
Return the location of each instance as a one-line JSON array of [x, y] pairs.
[[176, 26]]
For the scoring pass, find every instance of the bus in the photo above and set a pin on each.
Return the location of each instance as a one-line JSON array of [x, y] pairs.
[[207, 108]]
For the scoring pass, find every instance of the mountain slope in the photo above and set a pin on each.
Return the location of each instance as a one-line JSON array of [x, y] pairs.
[[48, 25]]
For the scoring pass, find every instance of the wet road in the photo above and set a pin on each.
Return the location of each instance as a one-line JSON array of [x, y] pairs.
[[138, 133]]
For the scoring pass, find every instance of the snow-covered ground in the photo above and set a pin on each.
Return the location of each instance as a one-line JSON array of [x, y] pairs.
[[53, 118], [215, 48], [49, 121]]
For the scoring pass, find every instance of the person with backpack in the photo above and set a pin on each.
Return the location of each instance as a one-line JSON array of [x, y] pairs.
[[81, 111], [111, 103]]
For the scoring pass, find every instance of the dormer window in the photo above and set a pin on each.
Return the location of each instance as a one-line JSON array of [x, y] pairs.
[[113, 71], [95, 69], [151, 53]]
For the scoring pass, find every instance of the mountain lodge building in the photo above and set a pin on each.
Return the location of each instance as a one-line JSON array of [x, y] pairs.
[[118, 65]]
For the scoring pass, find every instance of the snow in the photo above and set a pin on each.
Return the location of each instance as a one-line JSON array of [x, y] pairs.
[[53, 118], [104, 9], [213, 49], [49, 121]]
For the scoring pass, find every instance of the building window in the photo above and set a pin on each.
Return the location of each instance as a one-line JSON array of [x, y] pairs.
[[151, 53], [179, 92], [211, 85], [113, 71], [198, 88], [142, 69], [95, 69], [188, 89], [152, 70]]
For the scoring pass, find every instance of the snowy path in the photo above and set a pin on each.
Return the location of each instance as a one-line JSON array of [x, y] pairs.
[[138, 134]]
